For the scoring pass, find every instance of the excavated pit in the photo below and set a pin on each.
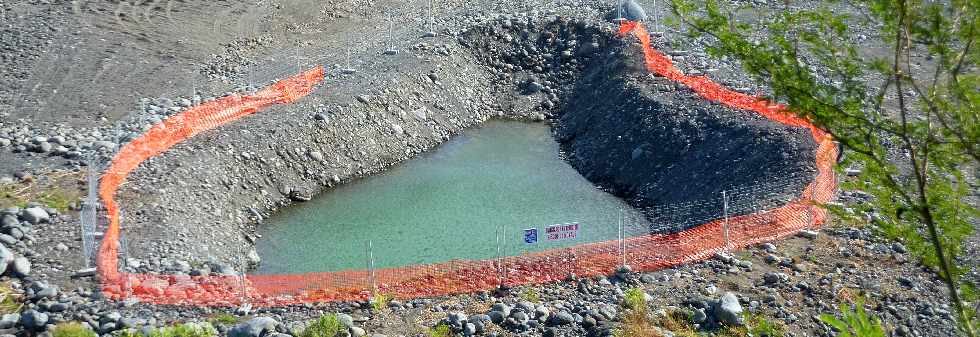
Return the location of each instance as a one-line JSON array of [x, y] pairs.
[[637, 136]]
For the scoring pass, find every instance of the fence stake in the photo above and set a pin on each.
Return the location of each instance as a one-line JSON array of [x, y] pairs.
[[374, 287], [242, 265], [622, 241], [724, 197], [499, 279]]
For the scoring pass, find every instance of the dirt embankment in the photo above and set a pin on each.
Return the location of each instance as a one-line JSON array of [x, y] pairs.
[[657, 143]]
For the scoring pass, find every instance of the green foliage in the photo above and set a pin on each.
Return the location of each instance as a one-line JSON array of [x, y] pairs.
[[127, 333], [326, 326], [380, 301], [441, 330], [179, 330], [224, 318], [760, 326], [913, 131], [531, 295], [57, 197], [72, 329], [854, 323], [634, 299]]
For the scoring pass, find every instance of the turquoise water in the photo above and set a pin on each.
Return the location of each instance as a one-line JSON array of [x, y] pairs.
[[449, 204]]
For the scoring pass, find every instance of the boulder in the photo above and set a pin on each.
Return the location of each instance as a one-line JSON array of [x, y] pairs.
[[21, 267], [9, 320], [33, 320], [630, 10], [728, 311], [256, 327], [34, 215], [346, 320], [563, 318]]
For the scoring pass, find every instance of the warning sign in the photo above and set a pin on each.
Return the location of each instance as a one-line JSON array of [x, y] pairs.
[[531, 235], [561, 232]]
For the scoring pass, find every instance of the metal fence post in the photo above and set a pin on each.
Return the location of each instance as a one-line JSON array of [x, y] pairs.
[[724, 197], [622, 239], [374, 284], [500, 281], [241, 278]]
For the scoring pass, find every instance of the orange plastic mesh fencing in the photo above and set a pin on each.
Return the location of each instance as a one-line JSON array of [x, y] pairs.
[[643, 253]]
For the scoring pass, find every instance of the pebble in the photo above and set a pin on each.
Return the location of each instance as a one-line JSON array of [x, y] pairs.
[[809, 234]]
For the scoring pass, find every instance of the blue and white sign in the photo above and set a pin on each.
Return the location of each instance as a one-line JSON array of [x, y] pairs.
[[531, 235]]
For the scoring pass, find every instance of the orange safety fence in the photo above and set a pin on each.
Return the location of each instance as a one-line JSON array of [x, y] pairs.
[[642, 253]]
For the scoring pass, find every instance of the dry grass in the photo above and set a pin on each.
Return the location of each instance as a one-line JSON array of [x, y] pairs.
[[678, 322], [57, 190], [9, 300], [636, 324]]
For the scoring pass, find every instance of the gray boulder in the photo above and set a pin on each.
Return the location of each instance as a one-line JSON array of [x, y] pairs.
[[357, 332], [563, 318], [630, 10], [21, 267], [40, 290], [541, 312], [33, 320], [728, 310], [9, 320], [502, 308], [6, 257], [35, 215], [497, 317], [256, 327], [346, 320]]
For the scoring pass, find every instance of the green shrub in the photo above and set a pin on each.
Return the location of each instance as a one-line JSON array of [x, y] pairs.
[[179, 330], [72, 329], [380, 301], [635, 299], [441, 330], [223, 318], [854, 323], [531, 295], [326, 326], [759, 326]]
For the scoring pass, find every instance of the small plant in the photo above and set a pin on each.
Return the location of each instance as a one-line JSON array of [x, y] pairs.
[[9, 300], [326, 326], [854, 323], [127, 333], [759, 326], [179, 330], [637, 324], [531, 295], [380, 301], [679, 322], [72, 329], [441, 330], [635, 299], [57, 198], [54, 195], [223, 318]]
